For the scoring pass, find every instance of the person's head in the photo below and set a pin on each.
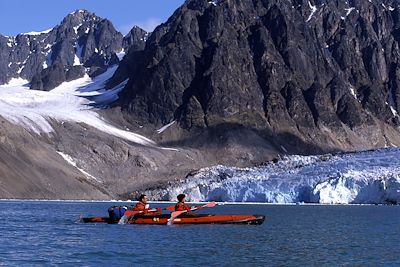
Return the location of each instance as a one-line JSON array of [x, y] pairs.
[[143, 198], [181, 197]]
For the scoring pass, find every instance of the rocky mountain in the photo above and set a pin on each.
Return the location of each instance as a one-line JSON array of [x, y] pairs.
[[81, 43], [302, 76], [222, 82]]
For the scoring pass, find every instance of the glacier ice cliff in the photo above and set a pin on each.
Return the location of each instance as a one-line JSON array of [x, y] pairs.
[[370, 177]]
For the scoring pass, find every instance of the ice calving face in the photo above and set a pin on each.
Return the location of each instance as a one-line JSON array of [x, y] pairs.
[[365, 177]]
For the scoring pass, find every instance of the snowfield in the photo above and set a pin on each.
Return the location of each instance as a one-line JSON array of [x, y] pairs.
[[71, 101], [371, 177]]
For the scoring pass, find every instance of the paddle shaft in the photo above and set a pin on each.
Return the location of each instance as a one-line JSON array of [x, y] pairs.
[[177, 213]]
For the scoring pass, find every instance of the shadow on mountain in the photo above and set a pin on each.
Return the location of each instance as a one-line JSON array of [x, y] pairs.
[[232, 134]]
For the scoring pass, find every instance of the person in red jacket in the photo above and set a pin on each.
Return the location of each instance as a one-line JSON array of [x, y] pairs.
[[180, 205], [143, 206]]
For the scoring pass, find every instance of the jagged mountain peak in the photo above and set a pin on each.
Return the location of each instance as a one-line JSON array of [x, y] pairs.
[[82, 43], [314, 74], [79, 17], [81, 13]]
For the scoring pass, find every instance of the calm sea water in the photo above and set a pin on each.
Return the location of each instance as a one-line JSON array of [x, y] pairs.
[[47, 234]]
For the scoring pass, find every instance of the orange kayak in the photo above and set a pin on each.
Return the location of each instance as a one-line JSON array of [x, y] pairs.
[[199, 219], [185, 219]]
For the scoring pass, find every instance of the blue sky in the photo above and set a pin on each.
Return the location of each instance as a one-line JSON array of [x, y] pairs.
[[19, 16]]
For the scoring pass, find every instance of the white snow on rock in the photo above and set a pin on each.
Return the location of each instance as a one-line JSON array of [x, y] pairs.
[[357, 178], [313, 10], [214, 2], [120, 54], [37, 33], [71, 161], [10, 42], [73, 101], [162, 129], [78, 55], [15, 82], [348, 10], [77, 27]]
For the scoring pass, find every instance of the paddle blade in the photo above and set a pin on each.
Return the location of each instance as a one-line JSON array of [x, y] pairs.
[[127, 215], [123, 220], [174, 215], [210, 204]]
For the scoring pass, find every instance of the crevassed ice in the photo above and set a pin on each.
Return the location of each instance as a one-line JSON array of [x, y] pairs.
[[365, 177]]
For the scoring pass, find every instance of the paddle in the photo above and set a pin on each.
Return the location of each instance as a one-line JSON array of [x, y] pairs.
[[169, 208], [177, 213], [130, 213]]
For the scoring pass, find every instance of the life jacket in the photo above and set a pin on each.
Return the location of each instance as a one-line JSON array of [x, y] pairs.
[[140, 206], [181, 206]]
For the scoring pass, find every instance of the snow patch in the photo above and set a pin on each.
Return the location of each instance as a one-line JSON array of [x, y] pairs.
[[76, 61], [15, 82], [393, 110], [10, 42], [162, 129], [76, 28], [78, 55], [71, 161], [348, 10], [77, 11], [214, 2], [313, 10], [38, 33], [20, 69], [391, 103], [120, 54], [353, 92], [48, 60]]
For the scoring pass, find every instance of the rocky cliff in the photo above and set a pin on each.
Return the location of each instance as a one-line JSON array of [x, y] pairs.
[[306, 76], [81, 43]]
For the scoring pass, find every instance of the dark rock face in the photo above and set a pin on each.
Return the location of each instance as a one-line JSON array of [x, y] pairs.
[[325, 72], [81, 43], [135, 40]]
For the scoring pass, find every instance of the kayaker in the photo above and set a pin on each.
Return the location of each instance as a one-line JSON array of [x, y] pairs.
[[181, 205], [142, 205]]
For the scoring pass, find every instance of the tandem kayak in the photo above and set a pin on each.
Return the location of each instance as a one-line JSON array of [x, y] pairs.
[[184, 219]]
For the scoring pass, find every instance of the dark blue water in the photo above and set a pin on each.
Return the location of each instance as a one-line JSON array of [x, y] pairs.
[[46, 234]]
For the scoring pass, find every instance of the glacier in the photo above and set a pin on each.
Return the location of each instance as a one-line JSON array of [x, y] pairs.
[[368, 177], [75, 101]]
